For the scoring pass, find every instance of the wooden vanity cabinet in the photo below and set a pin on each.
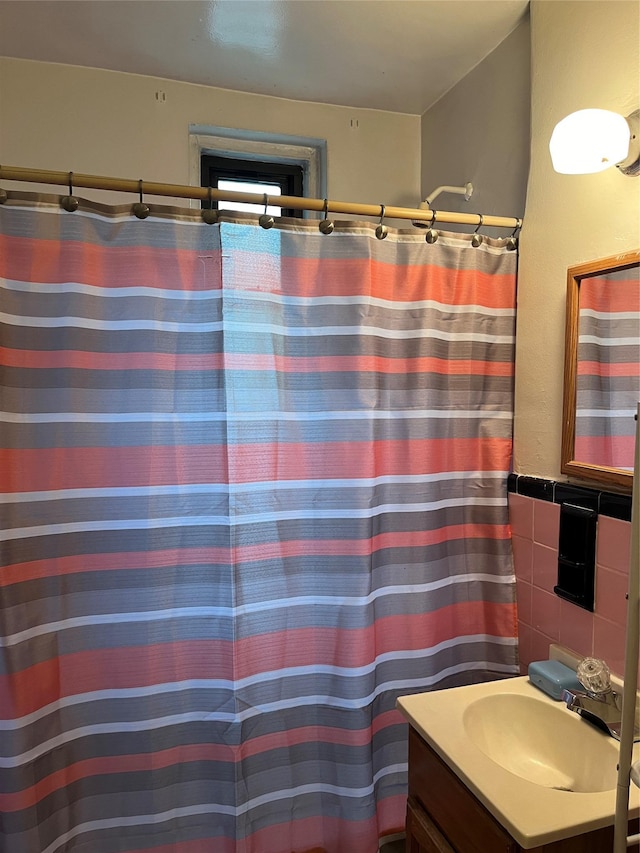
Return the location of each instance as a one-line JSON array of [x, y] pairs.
[[443, 816]]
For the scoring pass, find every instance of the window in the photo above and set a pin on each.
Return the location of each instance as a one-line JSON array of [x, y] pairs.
[[234, 173], [304, 157]]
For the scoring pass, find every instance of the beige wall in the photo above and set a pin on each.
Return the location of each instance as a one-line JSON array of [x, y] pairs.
[[479, 132], [64, 117], [584, 53]]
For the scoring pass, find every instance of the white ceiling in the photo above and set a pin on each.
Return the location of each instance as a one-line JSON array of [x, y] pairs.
[[399, 55]]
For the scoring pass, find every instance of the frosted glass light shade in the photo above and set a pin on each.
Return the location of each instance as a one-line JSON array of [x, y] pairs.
[[589, 141]]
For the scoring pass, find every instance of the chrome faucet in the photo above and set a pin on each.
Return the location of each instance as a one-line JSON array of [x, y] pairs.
[[600, 704]]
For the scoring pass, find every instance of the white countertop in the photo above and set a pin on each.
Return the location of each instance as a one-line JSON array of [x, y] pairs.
[[532, 814]]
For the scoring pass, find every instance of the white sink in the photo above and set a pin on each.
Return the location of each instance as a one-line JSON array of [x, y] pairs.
[[541, 770], [543, 743]]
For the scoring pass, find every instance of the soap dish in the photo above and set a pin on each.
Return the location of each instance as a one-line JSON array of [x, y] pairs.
[[552, 677]]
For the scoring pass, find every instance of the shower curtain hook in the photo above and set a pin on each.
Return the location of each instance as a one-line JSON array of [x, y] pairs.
[[512, 242], [140, 209], [381, 230], [265, 220], [432, 234], [209, 215], [476, 240], [70, 202], [326, 225]]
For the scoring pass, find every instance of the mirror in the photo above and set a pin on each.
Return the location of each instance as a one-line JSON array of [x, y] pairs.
[[602, 370]]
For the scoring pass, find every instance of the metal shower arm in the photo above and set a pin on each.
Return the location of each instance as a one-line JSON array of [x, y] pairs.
[[466, 191]]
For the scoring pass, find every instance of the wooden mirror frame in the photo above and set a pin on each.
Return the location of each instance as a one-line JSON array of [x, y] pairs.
[[595, 473]]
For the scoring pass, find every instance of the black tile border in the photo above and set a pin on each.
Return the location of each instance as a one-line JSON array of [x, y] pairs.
[[615, 505], [533, 487], [611, 504], [578, 496]]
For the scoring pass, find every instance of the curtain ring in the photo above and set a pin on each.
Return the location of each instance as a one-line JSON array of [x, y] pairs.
[[476, 239], [209, 215], [140, 209], [381, 230], [265, 220], [432, 233], [70, 202], [512, 241], [326, 225]]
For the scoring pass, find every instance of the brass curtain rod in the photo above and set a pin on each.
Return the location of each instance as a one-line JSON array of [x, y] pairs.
[[99, 182]]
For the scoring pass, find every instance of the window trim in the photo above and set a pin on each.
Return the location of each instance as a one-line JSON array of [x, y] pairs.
[[307, 152]]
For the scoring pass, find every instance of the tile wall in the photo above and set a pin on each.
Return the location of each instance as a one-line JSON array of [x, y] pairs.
[[543, 617]]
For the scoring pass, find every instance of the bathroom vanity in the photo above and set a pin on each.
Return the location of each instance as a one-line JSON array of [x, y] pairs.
[[443, 816], [473, 752]]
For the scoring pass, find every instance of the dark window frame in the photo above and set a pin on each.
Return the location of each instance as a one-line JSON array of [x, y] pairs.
[[288, 176]]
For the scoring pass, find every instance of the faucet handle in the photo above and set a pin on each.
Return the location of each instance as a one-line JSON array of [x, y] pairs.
[[594, 675]]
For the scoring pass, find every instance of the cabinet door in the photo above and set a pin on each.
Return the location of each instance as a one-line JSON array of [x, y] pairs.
[[462, 819], [423, 836]]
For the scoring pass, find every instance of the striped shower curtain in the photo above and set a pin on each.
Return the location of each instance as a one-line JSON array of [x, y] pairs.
[[253, 489]]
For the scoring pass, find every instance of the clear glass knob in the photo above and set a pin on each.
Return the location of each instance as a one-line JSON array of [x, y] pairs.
[[594, 675]]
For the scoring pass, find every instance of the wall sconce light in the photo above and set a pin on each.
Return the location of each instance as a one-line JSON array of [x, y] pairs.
[[593, 140]]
